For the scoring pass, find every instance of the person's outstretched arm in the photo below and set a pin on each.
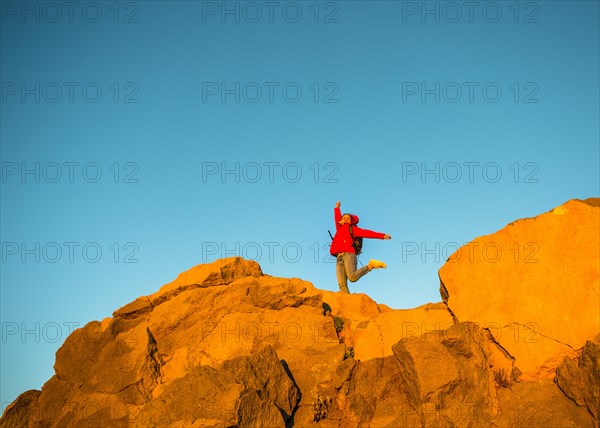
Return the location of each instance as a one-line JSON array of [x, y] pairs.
[[337, 214], [366, 233]]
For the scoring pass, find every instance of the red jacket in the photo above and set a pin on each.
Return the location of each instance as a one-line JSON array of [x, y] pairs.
[[342, 241]]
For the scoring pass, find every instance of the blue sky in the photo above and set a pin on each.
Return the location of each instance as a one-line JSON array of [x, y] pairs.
[[140, 140]]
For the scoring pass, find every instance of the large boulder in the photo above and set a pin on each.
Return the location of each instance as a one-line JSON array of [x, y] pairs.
[[205, 331], [534, 284], [252, 390], [450, 377], [440, 378], [579, 378]]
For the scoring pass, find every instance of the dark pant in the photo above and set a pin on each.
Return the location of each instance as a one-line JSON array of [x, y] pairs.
[[346, 270]]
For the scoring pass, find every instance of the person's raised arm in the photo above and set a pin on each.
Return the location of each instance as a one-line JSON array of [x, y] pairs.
[[337, 214]]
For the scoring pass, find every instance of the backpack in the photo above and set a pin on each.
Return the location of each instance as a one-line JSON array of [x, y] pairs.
[[357, 243]]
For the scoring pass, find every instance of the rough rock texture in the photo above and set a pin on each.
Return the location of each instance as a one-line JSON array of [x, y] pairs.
[[579, 379], [371, 329], [224, 345], [539, 404], [19, 412], [534, 284], [449, 377], [248, 391]]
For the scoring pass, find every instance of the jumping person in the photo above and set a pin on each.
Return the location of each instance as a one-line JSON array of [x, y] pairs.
[[343, 248]]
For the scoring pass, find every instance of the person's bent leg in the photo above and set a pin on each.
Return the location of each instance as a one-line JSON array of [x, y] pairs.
[[341, 273], [351, 272]]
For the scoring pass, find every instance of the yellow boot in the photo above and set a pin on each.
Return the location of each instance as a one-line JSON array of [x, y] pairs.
[[376, 264]]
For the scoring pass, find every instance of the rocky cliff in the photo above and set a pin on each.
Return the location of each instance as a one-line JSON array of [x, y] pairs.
[[514, 342]]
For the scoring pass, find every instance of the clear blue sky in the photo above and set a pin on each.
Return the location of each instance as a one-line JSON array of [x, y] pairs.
[[313, 102]]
